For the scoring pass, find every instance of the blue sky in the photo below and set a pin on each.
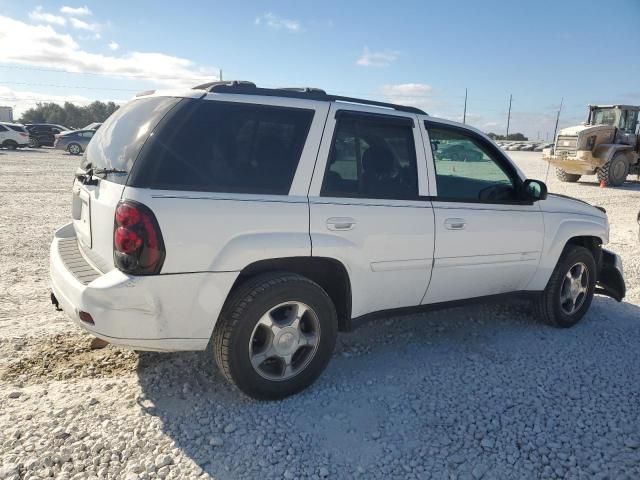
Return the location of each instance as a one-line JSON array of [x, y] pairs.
[[423, 53]]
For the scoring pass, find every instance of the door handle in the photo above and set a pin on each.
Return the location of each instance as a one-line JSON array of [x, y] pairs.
[[340, 223], [455, 224]]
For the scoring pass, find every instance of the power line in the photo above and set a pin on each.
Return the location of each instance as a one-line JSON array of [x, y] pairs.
[[70, 86]]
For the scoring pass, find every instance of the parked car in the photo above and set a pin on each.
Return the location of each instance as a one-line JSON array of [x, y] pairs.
[[514, 146], [13, 135], [75, 142], [194, 217], [459, 152], [527, 147], [93, 126], [44, 134]]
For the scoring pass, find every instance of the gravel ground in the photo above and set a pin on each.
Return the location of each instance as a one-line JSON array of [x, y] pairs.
[[474, 392]]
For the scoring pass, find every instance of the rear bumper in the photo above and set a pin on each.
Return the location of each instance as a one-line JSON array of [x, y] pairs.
[[611, 276], [156, 312]]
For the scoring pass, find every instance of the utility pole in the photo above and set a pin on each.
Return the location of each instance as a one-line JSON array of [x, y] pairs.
[[464, 115], [509, 116], [220, 75], [557, 118]]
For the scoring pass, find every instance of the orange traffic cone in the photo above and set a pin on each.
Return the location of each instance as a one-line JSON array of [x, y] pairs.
[[603, 184]]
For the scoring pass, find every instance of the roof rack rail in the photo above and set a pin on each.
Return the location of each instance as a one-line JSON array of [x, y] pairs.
[[243, 87]]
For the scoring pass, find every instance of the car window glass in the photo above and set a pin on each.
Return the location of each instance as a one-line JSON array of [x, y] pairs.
[[224, 147], [466, 170], [631, 120], [3, 128], [371, 158]]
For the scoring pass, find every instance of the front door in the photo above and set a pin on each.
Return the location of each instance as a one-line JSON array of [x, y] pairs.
[[366, 208], [487, 241]]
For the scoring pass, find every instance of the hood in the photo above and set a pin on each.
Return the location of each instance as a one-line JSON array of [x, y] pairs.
[[563, 204], [586, 129]]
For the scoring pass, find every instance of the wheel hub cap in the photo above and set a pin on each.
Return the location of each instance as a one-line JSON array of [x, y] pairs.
[[284, 341], [573, 291]]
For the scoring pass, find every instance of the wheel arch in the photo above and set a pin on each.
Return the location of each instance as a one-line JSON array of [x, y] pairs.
[[583, 231], [606, 151], [329, 273]]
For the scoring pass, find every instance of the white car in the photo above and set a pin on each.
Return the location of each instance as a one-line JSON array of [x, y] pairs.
[[260, 222], [13, 135]]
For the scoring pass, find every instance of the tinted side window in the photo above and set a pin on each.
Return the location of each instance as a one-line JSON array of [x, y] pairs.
[[16, 128], [371, 158], [466, 170], [224, 147], [3, 128]]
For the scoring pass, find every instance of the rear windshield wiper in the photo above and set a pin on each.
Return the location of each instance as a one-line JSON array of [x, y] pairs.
[[107, 171], [87, 176]]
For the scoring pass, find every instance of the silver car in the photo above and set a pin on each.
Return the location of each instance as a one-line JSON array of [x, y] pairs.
[[74, 142]]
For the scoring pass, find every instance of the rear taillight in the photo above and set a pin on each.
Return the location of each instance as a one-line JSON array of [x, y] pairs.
[[24, 134], [138, 247]]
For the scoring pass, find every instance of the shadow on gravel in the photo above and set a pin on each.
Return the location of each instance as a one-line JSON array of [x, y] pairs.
[[485, 391], [629, 185]]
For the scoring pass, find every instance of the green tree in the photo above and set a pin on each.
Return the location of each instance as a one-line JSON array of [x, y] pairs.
[[70, 115], [512, 136]]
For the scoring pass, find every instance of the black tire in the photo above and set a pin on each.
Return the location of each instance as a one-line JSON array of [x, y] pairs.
[[73, 146], [239, 317], [10, 145], [615, 171], [548, 306], [567, 177]]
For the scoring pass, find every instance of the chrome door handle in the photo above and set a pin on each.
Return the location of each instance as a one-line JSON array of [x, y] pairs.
[[455, 224], [340, 223]]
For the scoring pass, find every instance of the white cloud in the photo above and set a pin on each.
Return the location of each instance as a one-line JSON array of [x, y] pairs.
[[40, 16], [113, 46], [21, 101], [383, 58], [82, 25], [76, 11], [277, 23], [41, 46]]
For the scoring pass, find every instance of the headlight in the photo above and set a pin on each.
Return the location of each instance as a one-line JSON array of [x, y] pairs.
[[591, 141]]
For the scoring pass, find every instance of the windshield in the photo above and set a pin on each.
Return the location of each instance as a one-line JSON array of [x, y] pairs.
[[116, 144], [605, 116]]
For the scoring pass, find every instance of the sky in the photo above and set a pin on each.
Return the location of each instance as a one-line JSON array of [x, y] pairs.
[[421, 53]]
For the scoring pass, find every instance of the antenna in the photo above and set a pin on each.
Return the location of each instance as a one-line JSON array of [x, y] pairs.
[[464, 115], [554, 137]]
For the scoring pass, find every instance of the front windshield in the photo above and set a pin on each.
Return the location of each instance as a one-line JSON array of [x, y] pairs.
[[605, 116]]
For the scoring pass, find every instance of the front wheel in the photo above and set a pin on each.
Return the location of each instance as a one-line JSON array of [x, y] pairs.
[[615, 171], [275, 335], [567, 177], [569, 292], [74, 149], [10, 145]]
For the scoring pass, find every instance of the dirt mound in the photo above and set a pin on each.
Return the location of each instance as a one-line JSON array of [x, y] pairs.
[[69, 356]]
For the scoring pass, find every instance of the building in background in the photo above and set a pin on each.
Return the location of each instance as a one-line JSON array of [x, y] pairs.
[[6, 114]]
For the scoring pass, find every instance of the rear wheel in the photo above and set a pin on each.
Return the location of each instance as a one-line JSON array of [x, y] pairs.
[[565, 176], [275, 335], [74, 149], [569, 292], [10, 145], [615, 171]]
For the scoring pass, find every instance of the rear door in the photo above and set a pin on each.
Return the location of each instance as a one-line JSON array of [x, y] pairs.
[[369, 207], [3, 133], [487, 241]]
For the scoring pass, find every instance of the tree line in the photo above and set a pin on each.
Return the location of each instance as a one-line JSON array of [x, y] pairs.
[[512, 136], [69, 115]]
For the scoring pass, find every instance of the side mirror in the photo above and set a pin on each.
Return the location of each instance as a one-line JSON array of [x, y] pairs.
[[534, 190]]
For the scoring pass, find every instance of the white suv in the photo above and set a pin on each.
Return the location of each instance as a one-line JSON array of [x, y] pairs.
[[260, 222], [13, 135]]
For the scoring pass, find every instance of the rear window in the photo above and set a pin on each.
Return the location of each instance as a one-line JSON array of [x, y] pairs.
[[224, 147], [16, 128], [118, 142]]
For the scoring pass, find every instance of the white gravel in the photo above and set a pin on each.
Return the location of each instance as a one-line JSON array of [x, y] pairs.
[[474, 392]]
